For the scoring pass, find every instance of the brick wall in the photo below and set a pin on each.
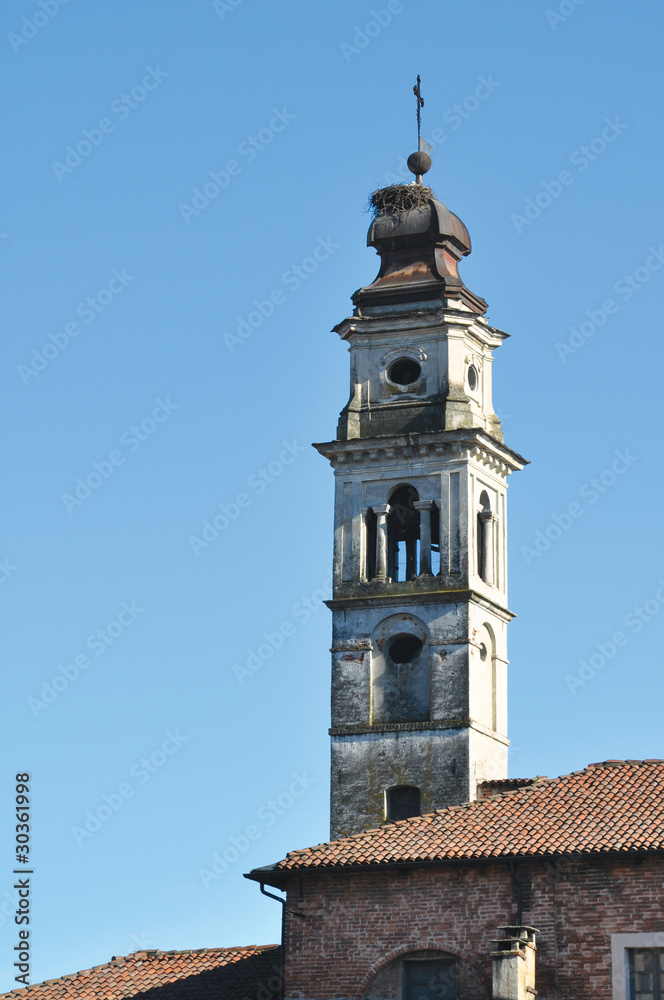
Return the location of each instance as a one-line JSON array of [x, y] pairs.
[[356, 923]]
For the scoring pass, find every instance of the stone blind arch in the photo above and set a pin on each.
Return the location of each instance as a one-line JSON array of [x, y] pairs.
[[435, 949]]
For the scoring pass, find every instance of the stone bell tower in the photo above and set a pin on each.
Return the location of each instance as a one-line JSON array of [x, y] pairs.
[[419, 662]]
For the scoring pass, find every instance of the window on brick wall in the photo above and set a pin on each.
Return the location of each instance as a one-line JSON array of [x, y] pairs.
[[646, 973], [624, 949], [430, 980]]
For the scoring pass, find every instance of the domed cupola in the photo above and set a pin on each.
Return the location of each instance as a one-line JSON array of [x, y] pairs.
[[420, 243]]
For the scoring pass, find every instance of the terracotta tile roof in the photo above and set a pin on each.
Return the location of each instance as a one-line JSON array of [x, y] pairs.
[[204, 974], [487, 789], [611, 806]]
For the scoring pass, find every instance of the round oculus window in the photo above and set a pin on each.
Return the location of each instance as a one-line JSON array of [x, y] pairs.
[[472, 378], [405, 648], [405, 371]]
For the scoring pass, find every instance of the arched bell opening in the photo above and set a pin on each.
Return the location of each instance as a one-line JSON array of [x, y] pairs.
[[403, 534], [401, 537]]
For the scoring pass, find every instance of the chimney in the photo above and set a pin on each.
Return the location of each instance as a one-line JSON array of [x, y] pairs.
[[513, 960]]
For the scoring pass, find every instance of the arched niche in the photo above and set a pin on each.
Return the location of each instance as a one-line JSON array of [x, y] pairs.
[[400, 670], [484, 676], [428, 975]]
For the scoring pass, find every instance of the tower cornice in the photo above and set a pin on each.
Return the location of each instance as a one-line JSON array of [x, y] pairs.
[[409, 594], [464, 443], [432, 725], [428, 317]]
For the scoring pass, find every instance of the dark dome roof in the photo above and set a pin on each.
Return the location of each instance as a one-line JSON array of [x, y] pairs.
[[430, 223], [420, 243]]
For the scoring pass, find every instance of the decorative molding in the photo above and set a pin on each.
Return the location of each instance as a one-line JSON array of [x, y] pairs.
[[407, 351], [431, 725], [490, 461], [352, 646], [430, 319], [402, 595], [473, 443], [361, 728], [476, 360]]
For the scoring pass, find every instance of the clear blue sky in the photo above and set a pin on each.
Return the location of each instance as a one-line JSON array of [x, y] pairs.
[[168, 93]]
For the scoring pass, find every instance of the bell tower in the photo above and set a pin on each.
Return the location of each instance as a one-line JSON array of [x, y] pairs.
[[419, 661]]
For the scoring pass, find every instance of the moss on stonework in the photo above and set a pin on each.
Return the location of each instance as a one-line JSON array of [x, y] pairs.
[[397, 199]]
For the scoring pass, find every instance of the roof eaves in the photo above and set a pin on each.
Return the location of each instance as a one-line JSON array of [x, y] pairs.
[[280, 876]]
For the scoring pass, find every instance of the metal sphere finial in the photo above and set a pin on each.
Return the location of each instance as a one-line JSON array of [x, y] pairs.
[[419, 163]]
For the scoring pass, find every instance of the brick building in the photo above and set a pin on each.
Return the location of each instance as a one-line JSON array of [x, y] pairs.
[[444, 905], [443, 879]]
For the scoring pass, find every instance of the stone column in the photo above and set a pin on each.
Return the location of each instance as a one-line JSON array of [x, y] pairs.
[[514, 964], [487, 568], [364, 562], [424, 507], [381, 513]]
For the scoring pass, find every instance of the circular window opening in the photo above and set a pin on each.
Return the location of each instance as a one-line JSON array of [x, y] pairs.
[[472, 378], [405, 371], [405, 648], [484, 652]]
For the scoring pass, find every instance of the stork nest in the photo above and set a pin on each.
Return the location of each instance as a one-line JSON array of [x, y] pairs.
[[397, 199]]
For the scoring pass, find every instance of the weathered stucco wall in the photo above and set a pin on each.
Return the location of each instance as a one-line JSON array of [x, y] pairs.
[[437, 723]]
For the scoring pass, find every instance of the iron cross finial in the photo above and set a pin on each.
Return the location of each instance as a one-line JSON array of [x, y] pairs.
[[420, 105]]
